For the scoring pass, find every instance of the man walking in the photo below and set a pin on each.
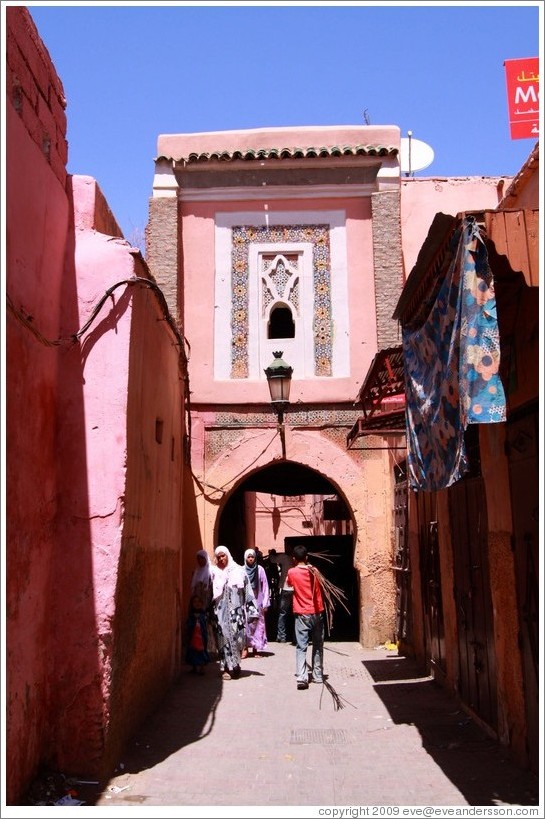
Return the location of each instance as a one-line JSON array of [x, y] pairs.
[[308, 610]]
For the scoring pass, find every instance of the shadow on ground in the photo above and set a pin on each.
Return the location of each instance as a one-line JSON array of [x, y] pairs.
[[185, 715], [463, 751]]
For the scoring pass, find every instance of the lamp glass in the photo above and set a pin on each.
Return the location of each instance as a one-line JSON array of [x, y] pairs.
[[279, 379], [279, 387]]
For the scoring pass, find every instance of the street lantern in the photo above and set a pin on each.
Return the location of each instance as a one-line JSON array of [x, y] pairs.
[[279, 379]]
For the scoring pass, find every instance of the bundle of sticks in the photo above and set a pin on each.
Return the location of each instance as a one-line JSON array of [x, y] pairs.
[[331, 594]]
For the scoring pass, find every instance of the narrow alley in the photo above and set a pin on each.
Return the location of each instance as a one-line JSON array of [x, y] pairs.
[[306, 345], [377, 733]]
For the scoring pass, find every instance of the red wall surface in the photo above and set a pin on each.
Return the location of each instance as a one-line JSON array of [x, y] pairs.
[[93, 492]]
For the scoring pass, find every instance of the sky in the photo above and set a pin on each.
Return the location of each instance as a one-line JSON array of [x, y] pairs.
[[133, 71]]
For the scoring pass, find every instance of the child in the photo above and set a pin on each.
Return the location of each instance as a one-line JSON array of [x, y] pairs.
[[197, 636]]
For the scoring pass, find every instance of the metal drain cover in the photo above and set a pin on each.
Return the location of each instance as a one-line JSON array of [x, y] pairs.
[[352, 672], [319, 736]]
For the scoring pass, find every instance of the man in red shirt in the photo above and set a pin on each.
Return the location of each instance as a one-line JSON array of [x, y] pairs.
[[308, 610]]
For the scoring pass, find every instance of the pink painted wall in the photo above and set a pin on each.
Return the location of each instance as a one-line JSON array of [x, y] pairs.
[[176, 146], [423, 197], [199, 270], [38, 209], [277, 517], [93, 565]]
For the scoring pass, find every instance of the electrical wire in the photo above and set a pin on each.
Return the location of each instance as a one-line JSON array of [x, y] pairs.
[[27, 320]]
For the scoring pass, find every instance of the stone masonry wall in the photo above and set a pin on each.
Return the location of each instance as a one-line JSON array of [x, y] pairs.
[[162, 249], [388, 264]]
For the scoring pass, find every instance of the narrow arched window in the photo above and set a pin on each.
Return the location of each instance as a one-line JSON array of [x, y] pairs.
[[281, 324]]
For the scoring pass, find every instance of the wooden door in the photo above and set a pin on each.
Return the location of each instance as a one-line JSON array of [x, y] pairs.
[[522, 449], [430, 574], [476, 650], [402, 569]]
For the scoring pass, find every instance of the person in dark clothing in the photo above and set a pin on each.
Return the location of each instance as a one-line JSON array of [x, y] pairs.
[[273, 571], [285, 609]]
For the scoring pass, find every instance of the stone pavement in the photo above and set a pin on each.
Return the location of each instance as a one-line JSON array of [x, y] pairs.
[[378, 733]]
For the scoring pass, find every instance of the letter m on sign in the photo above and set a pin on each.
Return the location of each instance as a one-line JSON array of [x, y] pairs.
[[522, 79]]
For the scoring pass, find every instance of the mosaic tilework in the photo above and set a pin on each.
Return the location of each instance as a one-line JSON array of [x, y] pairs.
[[318, 237], [311, 416], [219, 440]]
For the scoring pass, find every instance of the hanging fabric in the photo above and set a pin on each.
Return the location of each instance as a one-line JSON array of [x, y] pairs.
[[452, 366]]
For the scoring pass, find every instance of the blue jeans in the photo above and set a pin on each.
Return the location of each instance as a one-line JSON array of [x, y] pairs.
[[309, 627]]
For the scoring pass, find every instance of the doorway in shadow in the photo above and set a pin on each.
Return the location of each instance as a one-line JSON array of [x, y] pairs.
[[333, 556]]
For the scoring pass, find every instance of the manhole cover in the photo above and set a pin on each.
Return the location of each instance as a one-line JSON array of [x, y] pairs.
[[319, 736], [348, 673]]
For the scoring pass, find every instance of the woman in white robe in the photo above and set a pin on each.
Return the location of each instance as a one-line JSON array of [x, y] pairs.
[[234, 605]]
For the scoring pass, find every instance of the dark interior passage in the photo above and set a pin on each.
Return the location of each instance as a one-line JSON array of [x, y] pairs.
[[333, 556]]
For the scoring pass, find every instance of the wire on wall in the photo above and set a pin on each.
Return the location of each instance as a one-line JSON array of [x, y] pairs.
[[27, 321]]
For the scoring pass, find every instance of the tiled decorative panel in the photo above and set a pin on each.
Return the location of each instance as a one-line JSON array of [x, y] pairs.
[[316, 235]]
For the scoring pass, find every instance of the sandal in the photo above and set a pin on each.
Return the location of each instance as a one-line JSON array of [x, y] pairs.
[[226, 676]]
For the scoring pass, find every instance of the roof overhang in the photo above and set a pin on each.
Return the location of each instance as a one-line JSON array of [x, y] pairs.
[[382, 397], [509, 233]]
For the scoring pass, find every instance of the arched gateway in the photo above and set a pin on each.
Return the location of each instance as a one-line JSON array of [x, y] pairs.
[[315, 466], [263, 242]]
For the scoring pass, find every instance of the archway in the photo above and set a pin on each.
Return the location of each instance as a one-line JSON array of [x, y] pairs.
[[289, 488], [363, 482]]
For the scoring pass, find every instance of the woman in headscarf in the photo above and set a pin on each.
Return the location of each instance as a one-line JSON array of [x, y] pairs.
[[256, 632], [201, 587], [234, 605], [201, 579]]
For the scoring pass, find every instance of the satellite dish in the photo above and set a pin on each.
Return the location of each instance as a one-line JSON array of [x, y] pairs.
[[415, 155]]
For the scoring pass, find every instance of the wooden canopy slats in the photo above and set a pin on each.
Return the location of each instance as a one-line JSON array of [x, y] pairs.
[[385, 381], [515, 235], [384, 423], [414, 300]]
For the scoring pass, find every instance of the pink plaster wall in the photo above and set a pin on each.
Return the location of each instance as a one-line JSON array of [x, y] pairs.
[[93, 566], [37, 216], [181, 145], [423, 197], [198, 278], [277, 518]]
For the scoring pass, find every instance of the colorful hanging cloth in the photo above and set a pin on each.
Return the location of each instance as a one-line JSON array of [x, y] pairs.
[[452, 365]]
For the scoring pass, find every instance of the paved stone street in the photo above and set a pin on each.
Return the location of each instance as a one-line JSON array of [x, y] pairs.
[[377, 734]]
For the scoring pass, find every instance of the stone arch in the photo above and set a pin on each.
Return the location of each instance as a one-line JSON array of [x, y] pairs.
[[365, 487]]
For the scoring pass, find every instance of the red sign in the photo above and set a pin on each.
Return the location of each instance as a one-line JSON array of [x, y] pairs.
[[522, 77]]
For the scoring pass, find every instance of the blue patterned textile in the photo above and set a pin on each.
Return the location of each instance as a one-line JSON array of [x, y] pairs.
[[452, 365]]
